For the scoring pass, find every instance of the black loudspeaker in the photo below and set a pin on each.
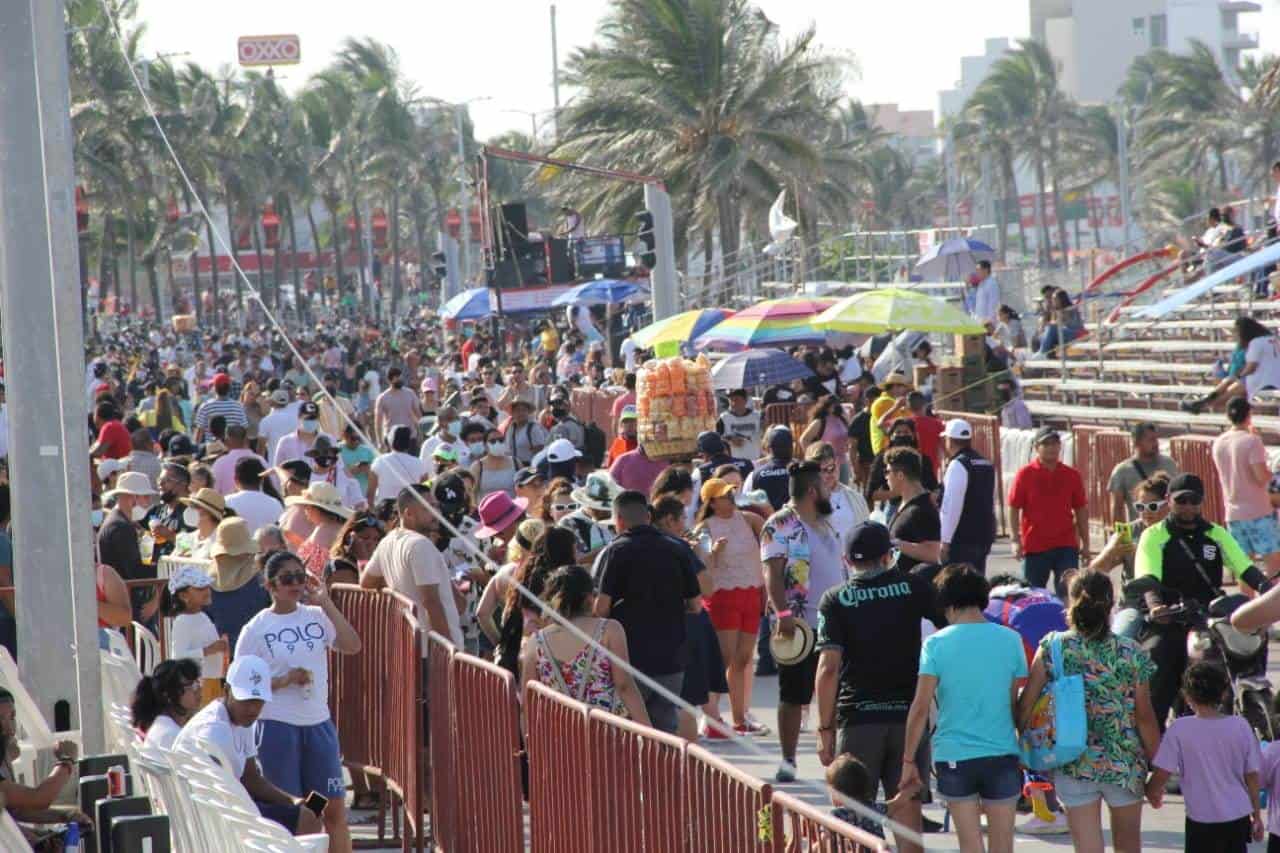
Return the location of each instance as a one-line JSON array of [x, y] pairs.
[[511, 230], [523, 271], [559, 262]]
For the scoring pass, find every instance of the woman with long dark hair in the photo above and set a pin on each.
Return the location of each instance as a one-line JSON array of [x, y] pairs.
[[828, 423], [1256, 355], [164, 700], [519, 617]]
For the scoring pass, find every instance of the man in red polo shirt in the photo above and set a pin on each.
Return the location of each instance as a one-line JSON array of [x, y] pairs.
[[113, 440], [1050, 514]]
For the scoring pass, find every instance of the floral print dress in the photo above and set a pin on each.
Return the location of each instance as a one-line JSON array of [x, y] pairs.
[[588, 677], [1112, 668]]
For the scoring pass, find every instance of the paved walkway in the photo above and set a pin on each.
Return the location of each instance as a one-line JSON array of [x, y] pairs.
[[1161, 830]]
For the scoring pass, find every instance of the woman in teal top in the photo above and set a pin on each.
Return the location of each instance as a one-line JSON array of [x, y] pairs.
[[973, 667]]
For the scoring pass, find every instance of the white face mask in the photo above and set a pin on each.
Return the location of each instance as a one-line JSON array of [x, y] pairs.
[[138, 512], [454, 428], [309, 426], [497, 448], [191, 517], [96, 517], [476, 449]]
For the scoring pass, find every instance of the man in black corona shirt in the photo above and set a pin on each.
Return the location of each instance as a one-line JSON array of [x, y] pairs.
[[869, 641]]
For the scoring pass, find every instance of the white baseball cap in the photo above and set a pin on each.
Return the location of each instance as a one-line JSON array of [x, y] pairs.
[[560, 450], [957, 428], [249, 677]]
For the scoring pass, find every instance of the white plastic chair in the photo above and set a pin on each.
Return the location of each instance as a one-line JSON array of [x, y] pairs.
[[146, 648], [155, 766], [11, 837]]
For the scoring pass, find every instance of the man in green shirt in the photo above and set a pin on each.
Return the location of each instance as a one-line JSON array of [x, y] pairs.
[[357, 457]]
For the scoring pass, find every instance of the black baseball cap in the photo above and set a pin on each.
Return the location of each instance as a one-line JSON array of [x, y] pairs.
[[780, 436], [450, 491], [710, 443], [181, 445], [868, 542], [308, 410], [1186, 483], [1046, 434], [527, 475]]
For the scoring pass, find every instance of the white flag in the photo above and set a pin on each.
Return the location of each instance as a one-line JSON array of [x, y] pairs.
[[780, 225]]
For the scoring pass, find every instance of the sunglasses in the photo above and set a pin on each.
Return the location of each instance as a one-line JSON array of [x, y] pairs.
[[1148, 506], [326, 461], [291, 578], [1189, 500], [830, 469], [191, 685], [569, 507]]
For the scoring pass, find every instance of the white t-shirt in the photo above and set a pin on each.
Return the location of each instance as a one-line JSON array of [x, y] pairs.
[[1265, 352], [429, 448], [628, 351], [745, 427], [212, 723], [407, 560], [276, 426], [191, 633], [258, 509], [287, 641], [164, 729], [396, 470]]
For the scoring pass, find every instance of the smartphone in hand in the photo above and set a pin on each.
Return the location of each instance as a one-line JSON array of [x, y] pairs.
[[316, 802]]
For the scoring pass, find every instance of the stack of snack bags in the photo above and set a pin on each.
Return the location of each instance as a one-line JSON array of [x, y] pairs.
[[675, 402]]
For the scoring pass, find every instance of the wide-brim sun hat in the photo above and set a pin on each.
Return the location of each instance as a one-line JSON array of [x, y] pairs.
[[131, 483], [597, 492], [209, 501], [497, 511], [794, 649], [233, 539], [323, 496]]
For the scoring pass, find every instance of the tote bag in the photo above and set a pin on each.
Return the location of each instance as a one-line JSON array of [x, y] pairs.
[[1057, 732]]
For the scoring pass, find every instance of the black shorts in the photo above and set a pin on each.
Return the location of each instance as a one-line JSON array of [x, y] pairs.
[[881, 747], [1232, 836], [286, 816], [795, 682]]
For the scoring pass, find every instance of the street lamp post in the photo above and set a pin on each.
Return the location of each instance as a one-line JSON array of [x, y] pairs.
[[465, 195]]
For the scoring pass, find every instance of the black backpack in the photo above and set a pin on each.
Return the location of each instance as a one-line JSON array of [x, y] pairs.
[[593, 445]]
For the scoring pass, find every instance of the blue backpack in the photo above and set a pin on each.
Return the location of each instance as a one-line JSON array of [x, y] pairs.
[[1058, 730]]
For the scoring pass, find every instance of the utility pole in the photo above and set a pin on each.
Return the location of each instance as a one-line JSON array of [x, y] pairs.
[[465, 203], [44, 367], [663, 277], [555, 72]]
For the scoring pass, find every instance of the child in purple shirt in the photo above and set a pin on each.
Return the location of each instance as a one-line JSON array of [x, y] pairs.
[[1218, 760], [1271, 784]]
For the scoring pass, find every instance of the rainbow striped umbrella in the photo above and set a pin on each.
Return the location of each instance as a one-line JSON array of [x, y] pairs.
[[665, 337], [773, 323]]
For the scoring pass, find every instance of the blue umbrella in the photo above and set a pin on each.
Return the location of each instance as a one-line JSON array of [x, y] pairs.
[[470, 304], [756, 368], [953, 260], [602, 291]]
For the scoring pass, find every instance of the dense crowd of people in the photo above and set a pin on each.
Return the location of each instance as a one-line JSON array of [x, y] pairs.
[[846, 555]]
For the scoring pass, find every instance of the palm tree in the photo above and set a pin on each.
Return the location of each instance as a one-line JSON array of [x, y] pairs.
[[704, 94], [986, 131]]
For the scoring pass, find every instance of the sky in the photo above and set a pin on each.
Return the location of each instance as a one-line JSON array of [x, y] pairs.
[[905, 50]]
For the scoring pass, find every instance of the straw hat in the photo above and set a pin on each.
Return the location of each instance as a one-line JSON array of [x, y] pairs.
[[131, 483], [792, 650], [597, 492], [209, 501], [233, 539], [321, 496], [896, 378]]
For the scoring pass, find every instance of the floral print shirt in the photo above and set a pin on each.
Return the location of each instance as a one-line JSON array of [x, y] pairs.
[[588, 677], [785, 535], [1112, 668]]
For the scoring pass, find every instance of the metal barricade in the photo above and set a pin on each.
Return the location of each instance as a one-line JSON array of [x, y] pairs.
[[440, 741], [486, 786], [799, 827], [793, 416], [637, 785], [376, 697], [1194, 455], [729, 809], [986, 440], [559, 773], [1110, 448]]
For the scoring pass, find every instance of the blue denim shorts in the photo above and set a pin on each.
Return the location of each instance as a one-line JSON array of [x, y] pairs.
[[1257, 536], [1075, 792], [302, 759], [993, 779]]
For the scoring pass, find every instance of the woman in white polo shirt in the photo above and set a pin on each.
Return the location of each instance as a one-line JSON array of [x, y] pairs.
[[299, 749]]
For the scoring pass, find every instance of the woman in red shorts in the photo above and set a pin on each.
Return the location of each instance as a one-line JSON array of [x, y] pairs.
[[738, 600]]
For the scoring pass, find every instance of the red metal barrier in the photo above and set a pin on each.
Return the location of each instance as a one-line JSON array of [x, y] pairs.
[[637, 784], [486, 785], [440, 744], [986, 440], [1110, 448], [375, 698], [559, 780], [1194, 455], [793, 416], [798, 826], [728, 809]]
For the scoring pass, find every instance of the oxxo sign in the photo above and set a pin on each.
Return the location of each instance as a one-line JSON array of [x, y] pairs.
[[269, 50]]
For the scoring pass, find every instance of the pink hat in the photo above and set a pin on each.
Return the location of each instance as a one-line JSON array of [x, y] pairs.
[[498, 511], [430, 383]]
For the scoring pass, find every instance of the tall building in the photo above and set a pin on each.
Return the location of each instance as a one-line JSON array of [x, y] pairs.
[[912, 129], [973, 70], [1095, 41]]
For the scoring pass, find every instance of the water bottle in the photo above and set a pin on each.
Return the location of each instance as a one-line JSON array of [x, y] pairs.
[[71, 838]]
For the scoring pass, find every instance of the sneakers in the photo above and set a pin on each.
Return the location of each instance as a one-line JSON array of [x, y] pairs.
[[751, 728], [930, 826], [1036, 826], [714, 729], [786, 772]]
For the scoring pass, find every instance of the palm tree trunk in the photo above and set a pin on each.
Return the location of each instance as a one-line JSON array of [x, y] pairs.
[[335, 240], [149, 264], [1042, 220], [173, 292], [728, 221], [196, 308], [395, 253], [360, 256], [104, 259], [420, 236], [1011, 186], [1222, 167], [707, 237], [301, 301], [315, 243], [213, 274], [133, 260], [264, 291], [234, 240], [1057, 205]]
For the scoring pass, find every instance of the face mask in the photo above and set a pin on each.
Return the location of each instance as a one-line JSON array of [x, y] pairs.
[[309, 426], [191, 517], [497, 448], [96, 517], [476, 449], [138, 513], [454, 428], [396, 383], [902, 441]]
